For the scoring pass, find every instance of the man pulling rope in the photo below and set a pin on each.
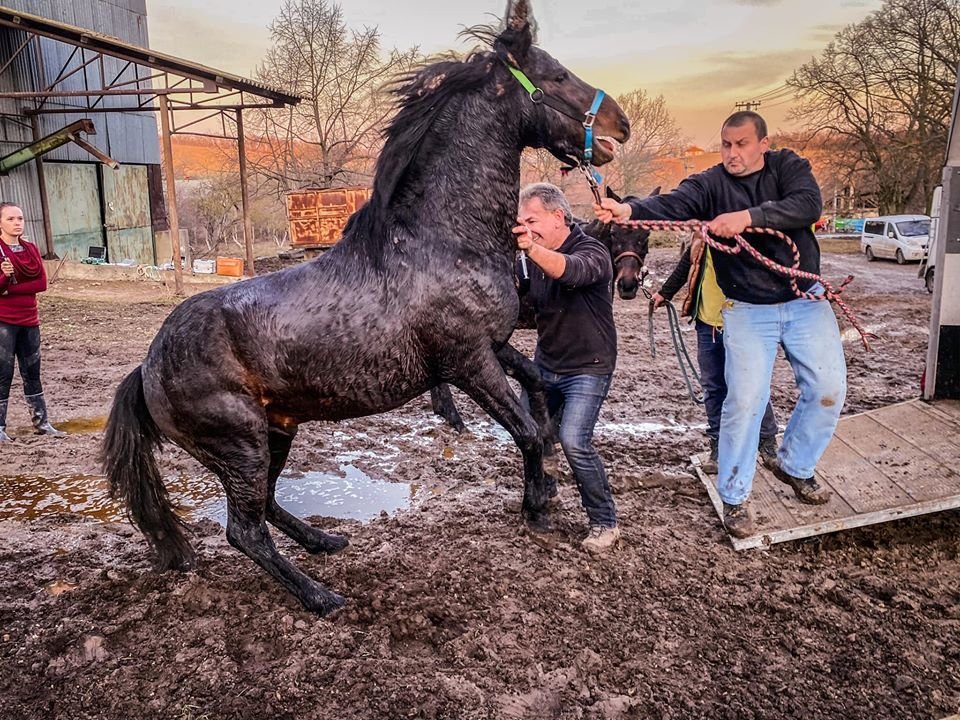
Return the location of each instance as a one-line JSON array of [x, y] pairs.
[[769, 303]]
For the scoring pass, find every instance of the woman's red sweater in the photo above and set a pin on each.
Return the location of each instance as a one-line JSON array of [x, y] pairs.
[[18, 294]]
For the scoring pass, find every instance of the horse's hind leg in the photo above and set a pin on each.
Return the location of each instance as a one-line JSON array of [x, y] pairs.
[[236, 449], [247, 532], [443, 405], [312, 539]]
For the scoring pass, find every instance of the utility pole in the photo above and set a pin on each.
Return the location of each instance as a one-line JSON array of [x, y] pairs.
[[747, 104]]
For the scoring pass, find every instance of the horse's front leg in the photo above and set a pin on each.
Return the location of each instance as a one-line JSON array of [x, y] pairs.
[[487, 385], [525, 372]]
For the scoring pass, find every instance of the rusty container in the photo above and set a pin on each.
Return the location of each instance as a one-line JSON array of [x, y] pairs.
[[317, 216]]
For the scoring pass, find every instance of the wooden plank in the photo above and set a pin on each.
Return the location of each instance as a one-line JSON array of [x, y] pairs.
[[890, 463], [802, 513], [855, 479], [950, 408], [917, 474], [928, 432], [848, 523], [928, 412], [767, 510], [939, 409]]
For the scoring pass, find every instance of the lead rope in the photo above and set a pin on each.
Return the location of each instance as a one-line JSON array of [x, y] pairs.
[[793, 272]]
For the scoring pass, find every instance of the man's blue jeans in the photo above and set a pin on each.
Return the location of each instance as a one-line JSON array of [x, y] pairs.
[[711, 357], [807, 330], [575, 400]]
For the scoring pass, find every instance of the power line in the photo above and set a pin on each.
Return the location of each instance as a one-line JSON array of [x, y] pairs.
[[747, 105], [776, 91]]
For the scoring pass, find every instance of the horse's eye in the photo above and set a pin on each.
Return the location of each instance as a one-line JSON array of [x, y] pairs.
[[562, 76]]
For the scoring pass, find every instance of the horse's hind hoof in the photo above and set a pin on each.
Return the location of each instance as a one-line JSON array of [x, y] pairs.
[[326, 544], [335, 543], [324, 604]]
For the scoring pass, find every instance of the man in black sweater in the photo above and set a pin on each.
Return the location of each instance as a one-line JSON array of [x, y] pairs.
[[570, 289], [758, 187]]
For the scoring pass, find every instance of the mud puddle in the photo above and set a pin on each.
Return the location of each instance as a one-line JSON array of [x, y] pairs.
[[349, 494]]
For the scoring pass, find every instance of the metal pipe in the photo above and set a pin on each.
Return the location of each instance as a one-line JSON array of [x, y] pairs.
[[245, 197], [171, 193]]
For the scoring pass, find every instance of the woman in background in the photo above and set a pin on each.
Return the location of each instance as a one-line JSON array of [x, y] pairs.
[[22, 276]]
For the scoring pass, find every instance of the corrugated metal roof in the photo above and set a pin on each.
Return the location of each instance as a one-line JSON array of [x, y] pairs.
[[145, 56]]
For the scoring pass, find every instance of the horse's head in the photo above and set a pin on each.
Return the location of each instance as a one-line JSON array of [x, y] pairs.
[[560, 105], [628, 248]]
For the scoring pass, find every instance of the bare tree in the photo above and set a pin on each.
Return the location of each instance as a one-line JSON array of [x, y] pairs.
[[332, 136], [654, 135], [879, 98], [211, 208]]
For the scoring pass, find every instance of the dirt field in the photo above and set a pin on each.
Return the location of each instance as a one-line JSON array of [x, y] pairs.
[[454, 611]]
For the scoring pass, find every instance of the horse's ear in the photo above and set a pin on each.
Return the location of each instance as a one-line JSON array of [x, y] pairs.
[[518, 14], [612, 195], [655, 191], [518, 32]]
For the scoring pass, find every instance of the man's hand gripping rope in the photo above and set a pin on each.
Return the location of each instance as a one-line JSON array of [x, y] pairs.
[[830, 294]]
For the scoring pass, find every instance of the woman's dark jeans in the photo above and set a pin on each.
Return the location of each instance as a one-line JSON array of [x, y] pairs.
[[23, 344]]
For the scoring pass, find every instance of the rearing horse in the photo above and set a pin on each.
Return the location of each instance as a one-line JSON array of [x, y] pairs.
[[418, 291]]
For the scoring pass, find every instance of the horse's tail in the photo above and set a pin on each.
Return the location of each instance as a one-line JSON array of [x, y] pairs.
[[127, 454]]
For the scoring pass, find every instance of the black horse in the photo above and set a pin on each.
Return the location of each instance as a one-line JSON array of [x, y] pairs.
[[628, 248], [418, 291]]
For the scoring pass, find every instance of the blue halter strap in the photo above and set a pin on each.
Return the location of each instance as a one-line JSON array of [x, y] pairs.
[[588, 119]]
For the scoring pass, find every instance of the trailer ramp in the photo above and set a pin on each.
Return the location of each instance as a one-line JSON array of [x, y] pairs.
[[894, 462]]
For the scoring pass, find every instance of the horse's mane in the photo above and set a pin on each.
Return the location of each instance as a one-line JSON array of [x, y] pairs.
[[422, 96]]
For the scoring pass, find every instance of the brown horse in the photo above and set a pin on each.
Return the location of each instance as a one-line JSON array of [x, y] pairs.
[[418, 291]]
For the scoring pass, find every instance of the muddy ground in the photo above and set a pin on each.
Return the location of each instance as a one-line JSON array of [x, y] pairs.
[[454, 611]]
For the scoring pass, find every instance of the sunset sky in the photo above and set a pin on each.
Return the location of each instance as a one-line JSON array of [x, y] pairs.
[[703, 56]]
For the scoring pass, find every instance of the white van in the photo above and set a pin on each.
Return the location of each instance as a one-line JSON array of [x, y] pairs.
[[930, 256], [898, 237]]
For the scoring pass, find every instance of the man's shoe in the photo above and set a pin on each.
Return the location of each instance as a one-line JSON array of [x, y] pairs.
[[601, 539], [768, 452], [737, 520], [808, 490], [709, 466]]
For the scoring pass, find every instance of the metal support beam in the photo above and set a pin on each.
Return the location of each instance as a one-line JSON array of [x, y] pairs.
[[96, 152], [171, 193], [44, 145], [51, 253], [943, 350], [245, 197]]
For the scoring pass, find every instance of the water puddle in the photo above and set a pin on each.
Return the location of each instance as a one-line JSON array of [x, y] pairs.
[[82, 425], [604, 430], [351, 494]]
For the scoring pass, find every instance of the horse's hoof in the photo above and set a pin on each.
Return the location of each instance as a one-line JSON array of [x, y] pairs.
[[325, 604], [333, 544], [539, 523]]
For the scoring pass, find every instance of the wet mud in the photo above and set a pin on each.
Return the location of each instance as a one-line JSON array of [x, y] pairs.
[[454, 610]]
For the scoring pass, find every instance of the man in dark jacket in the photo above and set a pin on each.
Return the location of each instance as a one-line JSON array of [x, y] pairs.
[[570, 290], [758, 187]]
